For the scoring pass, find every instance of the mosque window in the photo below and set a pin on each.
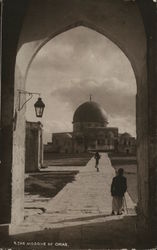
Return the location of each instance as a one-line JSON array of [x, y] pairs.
[[79, 140], [108, 142], [127, 151], [103, 142], [125, 142]]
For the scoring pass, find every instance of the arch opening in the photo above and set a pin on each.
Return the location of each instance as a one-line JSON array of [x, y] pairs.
[[85, 24], [74, 65]]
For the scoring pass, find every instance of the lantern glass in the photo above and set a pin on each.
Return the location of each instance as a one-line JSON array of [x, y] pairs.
[[39, 107]]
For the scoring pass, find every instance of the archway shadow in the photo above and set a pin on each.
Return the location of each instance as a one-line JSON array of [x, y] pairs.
[[116, 233]]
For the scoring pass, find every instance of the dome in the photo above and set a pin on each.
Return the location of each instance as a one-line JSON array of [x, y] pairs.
[[126, 135], [90, 112]]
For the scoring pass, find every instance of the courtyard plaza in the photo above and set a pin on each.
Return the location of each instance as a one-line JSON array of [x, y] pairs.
[[80, 214], [88, 195]]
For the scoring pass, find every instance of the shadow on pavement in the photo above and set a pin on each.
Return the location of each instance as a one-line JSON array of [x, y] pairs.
[[48, 184], [87, 218], [111, 234]]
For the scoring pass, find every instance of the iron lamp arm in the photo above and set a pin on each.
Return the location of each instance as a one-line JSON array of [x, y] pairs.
[[23, 92]]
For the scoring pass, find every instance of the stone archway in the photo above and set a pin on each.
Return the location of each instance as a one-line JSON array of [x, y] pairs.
[[37, 25]]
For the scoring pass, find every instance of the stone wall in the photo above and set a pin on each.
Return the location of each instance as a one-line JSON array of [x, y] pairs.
[[12, 137]]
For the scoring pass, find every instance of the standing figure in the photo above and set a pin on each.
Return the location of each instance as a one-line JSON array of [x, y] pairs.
[[118, 189], [97, 158]]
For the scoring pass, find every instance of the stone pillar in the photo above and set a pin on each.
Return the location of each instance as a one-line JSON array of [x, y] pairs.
[[34, 147], [10, 207], [152, 91], [147, 178]]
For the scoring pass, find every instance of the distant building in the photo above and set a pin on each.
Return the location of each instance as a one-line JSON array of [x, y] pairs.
[[34, 147], [61, 143], [91, 133], [126, 144]]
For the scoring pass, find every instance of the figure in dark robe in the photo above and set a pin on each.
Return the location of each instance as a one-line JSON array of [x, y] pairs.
[[118, 189], [97, 158]]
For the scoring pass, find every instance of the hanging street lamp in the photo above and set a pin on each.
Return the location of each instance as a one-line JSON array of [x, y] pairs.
[[39, 107]]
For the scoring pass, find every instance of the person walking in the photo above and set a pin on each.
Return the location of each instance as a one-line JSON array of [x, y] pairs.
[[97, 158], [118, 189]]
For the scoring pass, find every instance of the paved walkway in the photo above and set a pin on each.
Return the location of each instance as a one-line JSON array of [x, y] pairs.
[[89, 195], [84, 200], [79, 215]]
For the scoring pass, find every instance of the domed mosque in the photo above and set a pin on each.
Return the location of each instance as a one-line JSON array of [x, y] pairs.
[[92, 133], [90, 114]]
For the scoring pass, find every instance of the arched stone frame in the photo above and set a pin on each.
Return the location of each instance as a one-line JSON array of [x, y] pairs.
[[142, 114], [92, 27]]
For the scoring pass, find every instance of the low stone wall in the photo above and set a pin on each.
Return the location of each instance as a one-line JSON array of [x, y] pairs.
[[50, 155], [123, 160]]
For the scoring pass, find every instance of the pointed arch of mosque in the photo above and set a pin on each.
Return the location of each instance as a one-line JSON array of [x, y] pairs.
[[89, 26]]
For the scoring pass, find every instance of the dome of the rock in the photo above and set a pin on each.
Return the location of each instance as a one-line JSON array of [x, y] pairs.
[[90, 112]]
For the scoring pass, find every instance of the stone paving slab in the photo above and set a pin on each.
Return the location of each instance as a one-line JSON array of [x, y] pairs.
[[85, 200], [80, 215]]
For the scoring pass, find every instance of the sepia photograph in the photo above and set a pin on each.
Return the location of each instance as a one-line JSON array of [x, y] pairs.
[[78, 124]]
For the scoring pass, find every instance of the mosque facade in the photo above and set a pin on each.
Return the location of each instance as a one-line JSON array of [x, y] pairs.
[[91, 133]]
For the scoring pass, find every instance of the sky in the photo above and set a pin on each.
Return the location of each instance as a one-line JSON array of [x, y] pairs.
[[69, 68]]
